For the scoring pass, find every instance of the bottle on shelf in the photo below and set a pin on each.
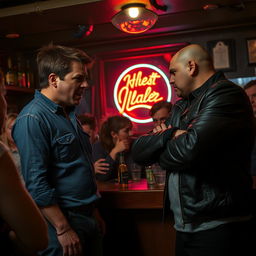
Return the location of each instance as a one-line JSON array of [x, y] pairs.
[[21, 73], [10, 74], [29, 75], [123, 175]]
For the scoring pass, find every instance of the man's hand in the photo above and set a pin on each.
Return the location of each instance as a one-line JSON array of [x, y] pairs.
[[177, 133], [70, 243], [159, 128], [100, 166]]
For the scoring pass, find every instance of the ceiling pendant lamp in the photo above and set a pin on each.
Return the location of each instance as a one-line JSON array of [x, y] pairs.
[[134, 18]]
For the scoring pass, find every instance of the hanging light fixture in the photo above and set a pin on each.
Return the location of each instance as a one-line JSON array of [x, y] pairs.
[[134, 18]]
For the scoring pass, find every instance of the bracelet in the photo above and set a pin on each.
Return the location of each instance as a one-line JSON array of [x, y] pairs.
[[63, 232]]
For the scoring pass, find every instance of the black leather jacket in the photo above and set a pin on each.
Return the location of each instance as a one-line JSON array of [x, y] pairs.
[[213, 157]]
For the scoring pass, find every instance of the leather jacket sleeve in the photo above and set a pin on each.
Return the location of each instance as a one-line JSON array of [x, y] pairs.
[[147, 148], [214, 125]]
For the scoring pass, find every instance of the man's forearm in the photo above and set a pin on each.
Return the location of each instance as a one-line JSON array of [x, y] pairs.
[[55, 216]]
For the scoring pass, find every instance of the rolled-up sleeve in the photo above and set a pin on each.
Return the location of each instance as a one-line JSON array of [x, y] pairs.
[[33, 141]]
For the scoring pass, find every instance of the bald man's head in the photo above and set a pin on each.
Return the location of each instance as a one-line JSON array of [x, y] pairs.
[[190, 68], [194, 52]]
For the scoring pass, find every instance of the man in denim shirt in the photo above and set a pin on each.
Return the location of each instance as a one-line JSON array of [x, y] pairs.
[[56, 154]]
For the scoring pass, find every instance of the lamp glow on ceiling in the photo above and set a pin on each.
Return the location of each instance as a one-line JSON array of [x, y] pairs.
[[134, 18]]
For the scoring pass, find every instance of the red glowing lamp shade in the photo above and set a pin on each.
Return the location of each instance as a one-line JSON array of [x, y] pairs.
[[134, 19]]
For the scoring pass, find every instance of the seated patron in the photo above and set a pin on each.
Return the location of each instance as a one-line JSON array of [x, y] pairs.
[[114, 138], [89, 126], [160, 111]]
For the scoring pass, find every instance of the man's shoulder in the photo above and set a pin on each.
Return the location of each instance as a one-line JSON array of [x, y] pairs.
[[34, 107], [225, 87]]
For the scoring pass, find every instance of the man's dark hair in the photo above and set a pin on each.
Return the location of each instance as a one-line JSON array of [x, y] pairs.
[[87, 119], [250, 84], [161, 104], [57, 59]]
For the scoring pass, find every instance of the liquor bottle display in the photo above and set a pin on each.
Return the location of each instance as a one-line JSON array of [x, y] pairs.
[[122, 172], [10, 74], [18, 72]]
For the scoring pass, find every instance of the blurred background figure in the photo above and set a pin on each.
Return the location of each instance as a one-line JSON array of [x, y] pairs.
[[114, 137], [89, 126], [6, 138], [23, 230], [250, 89], [160, 112]]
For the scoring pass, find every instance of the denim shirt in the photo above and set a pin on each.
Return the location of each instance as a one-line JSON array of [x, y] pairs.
[[55, 155]]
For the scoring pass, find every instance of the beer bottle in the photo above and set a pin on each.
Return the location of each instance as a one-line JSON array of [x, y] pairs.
[[29, 75], [150, 175], [21, 73], [122, 172]]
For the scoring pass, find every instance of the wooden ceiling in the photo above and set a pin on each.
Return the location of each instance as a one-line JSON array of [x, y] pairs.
[[39, 22]]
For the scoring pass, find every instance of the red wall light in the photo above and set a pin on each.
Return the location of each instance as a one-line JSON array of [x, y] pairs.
[[134, 18]]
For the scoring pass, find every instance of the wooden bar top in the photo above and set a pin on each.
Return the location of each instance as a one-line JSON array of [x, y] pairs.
[[138, 195]]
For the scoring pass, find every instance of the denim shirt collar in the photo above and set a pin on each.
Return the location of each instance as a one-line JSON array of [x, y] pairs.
[[52, 106]]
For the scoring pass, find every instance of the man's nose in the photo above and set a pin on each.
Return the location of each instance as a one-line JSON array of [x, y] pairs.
[[171, 80], [84, 84]]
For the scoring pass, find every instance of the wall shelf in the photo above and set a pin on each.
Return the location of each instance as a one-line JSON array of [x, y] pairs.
[[19, 89]]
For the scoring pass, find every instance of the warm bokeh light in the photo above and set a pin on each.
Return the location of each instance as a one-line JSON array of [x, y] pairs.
[[133, 12]]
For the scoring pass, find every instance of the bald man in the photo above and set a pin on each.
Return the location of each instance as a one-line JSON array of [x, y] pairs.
[[206, 152]]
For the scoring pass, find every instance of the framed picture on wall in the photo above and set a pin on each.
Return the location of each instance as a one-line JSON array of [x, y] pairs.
[[223, 54], [251, 51]]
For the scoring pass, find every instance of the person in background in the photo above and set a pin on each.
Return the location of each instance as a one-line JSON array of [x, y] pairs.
[[206, 152], [114, 138], [160, 111], [6, 138], [56, 155], [23, 230], [88, 123], [250, 89]]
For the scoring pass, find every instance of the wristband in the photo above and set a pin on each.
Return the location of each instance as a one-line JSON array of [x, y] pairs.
[[63, 232]]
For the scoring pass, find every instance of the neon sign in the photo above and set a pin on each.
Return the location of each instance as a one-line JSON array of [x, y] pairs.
[[138, 88]]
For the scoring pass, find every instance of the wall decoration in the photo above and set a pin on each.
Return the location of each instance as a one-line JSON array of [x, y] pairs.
[[223, 54], [251, 49]]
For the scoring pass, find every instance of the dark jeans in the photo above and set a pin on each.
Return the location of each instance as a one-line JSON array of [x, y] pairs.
[[233, 239], [87, 229]]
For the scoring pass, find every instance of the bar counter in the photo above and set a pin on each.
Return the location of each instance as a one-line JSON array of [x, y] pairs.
[[138, 195], [133, 219]]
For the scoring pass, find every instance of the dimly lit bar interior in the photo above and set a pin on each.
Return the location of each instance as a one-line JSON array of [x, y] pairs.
[[130, 44]]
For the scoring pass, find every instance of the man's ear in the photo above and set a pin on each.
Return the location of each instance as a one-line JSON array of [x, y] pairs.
[[192, 67], [52, 80]]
